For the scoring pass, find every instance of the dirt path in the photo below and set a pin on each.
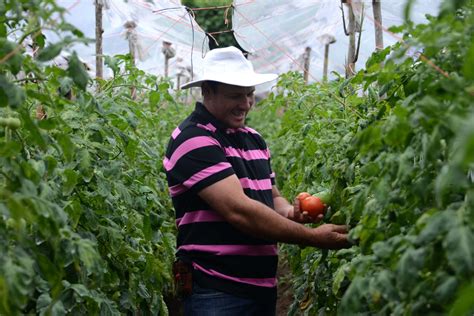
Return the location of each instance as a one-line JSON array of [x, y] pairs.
[[285, 293]]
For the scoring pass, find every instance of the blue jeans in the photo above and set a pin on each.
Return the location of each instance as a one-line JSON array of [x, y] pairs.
[[210, 302]]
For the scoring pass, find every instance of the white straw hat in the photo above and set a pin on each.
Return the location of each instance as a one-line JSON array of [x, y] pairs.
[[228, 65]]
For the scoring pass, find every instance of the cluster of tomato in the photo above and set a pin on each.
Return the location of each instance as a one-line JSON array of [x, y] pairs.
[[10, 122], [311, 204]]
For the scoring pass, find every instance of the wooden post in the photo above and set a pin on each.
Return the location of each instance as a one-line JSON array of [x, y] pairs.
[[98, 39], [327, 40], [306, 58], [169, 53], [377, 9], [350, 64], [326, 57], [132, 42]]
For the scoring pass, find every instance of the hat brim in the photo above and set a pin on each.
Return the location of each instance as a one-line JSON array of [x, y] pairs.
[[237, 80]]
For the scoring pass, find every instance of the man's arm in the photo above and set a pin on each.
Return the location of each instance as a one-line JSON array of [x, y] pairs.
[[282, 206], [228, 198]]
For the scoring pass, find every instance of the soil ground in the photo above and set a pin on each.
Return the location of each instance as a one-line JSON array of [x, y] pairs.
[[285, 294]]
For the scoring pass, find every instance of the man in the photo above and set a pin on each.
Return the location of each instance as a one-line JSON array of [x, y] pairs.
[[229, 213]]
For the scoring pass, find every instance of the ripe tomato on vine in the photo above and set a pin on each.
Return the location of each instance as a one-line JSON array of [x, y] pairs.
[[311, 204]]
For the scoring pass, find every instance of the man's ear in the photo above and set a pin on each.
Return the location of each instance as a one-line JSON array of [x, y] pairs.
[[205, 89]]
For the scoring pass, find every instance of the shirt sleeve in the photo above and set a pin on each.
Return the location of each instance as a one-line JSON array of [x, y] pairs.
[[195, 161]]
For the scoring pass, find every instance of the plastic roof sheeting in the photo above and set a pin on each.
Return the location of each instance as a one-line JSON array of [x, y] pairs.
[[156, 21], [276, 32]]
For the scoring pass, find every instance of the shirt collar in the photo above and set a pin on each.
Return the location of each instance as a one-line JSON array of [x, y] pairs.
[[201, 110]]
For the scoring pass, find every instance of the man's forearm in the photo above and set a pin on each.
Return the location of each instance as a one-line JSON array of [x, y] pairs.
[[282, 206], [259, 220]]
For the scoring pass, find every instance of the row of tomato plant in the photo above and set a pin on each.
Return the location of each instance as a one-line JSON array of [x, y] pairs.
[[394, 147], [85, 218]]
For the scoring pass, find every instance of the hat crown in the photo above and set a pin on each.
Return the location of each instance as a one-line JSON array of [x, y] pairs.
[[226, 60], [229, 66]]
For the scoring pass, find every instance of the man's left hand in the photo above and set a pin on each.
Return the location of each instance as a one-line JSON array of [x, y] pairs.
[[297, 215]]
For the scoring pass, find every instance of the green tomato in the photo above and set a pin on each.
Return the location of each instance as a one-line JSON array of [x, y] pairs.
[[10, 122], [325, 196]]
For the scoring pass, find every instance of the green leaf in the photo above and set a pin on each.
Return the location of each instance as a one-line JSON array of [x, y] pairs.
[[35, 133], [10, 94], [88, 254], [108, 308], [40, 40], [449, 180], [48, 124], [74, 210], [58, 309], [339, 277], [85, 165], [353, 299], [29, 172], [409, 267], [42, 304], [65, 85], [446, 290], [15, 58], [113, 64], [67, 146], [459, 247], [77, 72], [147, 230], [48, 269], [69, 181], [50, 52], [154, 98], [384, 282], [124, 193], [436, 227], [468, 68], [9, 149], [464, 304], [80, 290]]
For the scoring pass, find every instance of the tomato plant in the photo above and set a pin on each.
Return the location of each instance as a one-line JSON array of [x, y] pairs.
[[85, 217], [393, 147]]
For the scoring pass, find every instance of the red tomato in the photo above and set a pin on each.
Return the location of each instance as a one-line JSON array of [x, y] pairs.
[[302, 196], [313, 206]]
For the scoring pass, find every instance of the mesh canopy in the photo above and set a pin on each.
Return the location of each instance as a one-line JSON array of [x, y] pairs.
[[152, 23], [277, 32]]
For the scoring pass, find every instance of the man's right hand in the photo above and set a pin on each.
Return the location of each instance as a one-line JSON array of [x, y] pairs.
[[330, 236]]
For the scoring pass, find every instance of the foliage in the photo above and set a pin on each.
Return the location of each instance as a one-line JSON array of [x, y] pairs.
[[394, 145], [85, 218], [213, 20]]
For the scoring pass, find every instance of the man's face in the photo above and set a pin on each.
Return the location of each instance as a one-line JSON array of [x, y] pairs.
[[229, 104]]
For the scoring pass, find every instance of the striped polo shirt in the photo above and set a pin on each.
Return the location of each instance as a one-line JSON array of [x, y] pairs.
[[201, 152]]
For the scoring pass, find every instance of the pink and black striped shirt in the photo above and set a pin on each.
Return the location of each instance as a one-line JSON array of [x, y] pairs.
[[201, 152]]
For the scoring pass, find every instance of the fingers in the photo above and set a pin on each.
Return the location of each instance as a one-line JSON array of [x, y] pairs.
[[340, 228], [331, 236], [298, 216]]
